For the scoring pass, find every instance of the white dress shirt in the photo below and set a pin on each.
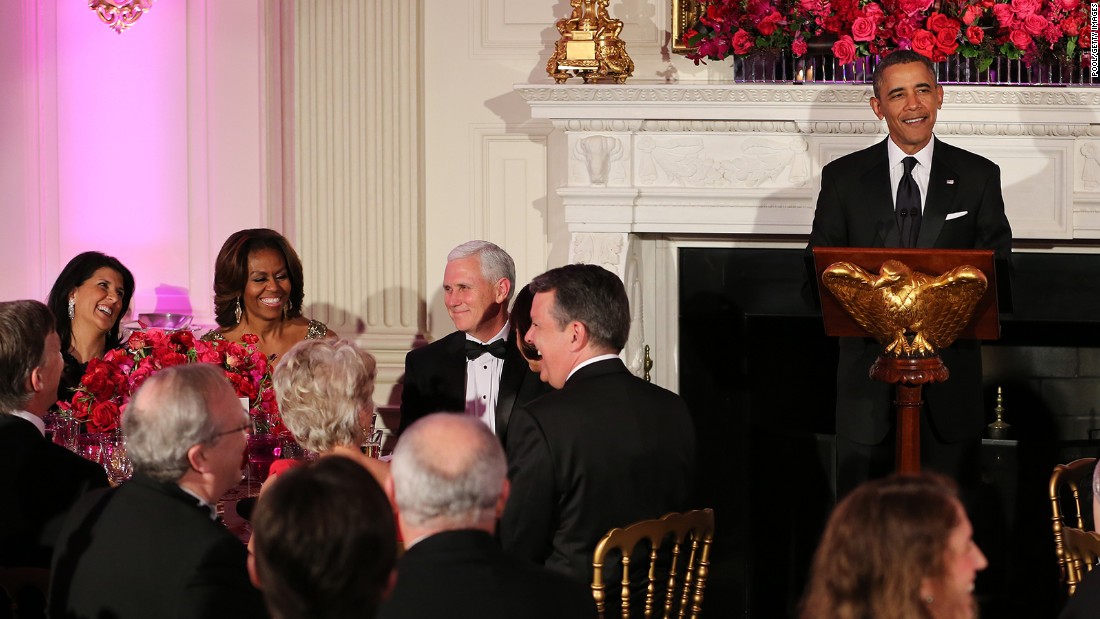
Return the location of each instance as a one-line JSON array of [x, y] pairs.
[[483, 381], [921, 172]]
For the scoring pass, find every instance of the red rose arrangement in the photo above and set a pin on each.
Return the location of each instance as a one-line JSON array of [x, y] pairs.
[[1032, 30], [108, 383]]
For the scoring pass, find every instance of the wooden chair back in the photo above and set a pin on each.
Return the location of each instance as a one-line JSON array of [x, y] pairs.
[[678, 563]]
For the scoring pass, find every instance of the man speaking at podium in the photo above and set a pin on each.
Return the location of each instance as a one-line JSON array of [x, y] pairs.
[[910, 190]]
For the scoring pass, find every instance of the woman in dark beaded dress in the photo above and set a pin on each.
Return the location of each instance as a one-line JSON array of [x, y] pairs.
[[88, 300], [258, 289]]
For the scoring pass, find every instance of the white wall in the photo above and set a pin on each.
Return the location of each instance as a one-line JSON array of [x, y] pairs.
[[209, 116], [149, 145]]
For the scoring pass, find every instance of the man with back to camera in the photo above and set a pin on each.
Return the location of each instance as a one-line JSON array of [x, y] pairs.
[[40, 480], [449, 485], [910, 190], [332, 516], [152, 547], [607, 448], [476, 369]]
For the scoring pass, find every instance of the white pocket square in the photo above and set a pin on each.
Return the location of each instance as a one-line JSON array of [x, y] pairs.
[[951, 216]]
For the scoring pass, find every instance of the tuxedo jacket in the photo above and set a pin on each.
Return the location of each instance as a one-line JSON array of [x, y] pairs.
[[149, 549], [435, 381], [964, 210], [39, 483], [606, 450], [465, 574]]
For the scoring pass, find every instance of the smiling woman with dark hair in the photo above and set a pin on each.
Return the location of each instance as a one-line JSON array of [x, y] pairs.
[[88, 300], [258, 289]]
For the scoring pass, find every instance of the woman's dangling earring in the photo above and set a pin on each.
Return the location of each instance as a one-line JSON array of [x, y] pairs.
[[72, 308], [286, 308], [237, 311]]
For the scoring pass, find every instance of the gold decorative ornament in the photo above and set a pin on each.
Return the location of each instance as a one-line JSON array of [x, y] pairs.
[[120, 14], [684, 15], [999, 429], [912, 314], [590, 46]]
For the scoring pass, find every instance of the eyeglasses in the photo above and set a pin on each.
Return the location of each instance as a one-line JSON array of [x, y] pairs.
[[244, 427]]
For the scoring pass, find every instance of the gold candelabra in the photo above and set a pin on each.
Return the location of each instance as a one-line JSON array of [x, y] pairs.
[[590, 47]]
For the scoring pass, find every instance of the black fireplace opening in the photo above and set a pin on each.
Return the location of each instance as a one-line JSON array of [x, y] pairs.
[[759, 376]]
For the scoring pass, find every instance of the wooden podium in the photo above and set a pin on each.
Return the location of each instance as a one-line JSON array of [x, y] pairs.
[[909, 373]]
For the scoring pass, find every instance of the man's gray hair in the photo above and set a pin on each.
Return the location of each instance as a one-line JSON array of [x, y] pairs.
[[448, 486], [495, 262], [321, 387], [168, 415]]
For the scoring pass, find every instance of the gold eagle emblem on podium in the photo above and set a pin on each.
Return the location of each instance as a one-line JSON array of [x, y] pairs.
[[912, 314]]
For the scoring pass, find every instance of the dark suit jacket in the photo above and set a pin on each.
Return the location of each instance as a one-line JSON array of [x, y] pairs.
[[856, 209], [1085, 601], [606, 450], [148, 549], [458, 574], [40, 482], [435, 381]]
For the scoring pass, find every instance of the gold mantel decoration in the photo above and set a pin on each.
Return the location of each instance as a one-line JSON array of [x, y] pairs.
[[684, 15], [120, 14], [590, 46], [910, 313]]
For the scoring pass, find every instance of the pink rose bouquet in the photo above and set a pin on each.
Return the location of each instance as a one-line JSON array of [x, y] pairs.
[[1032, 30], [108, 383]]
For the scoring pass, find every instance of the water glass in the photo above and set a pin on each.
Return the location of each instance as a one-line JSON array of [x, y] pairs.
[[262, 450], [90, 447], [114, 459]]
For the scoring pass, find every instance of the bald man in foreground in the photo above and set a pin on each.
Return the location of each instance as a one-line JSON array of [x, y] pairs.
[[449, 483]]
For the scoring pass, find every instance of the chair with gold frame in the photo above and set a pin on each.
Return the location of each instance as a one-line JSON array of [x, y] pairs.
[[1070, 485], [688, 562]]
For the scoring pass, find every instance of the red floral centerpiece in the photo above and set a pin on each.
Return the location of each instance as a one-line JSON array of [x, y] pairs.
[[108, 383], [1035, 31]]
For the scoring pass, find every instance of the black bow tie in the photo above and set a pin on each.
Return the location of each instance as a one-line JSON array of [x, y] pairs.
[[497, 348]]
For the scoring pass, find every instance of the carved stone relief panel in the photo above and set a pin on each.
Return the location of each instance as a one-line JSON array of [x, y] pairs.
[[605, 249], [599, 160], [1087, 165], [686, 160]]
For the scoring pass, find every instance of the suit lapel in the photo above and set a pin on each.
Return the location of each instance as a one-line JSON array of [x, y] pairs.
[[880, 201], [453, 370], [943, 183], [511, 378]]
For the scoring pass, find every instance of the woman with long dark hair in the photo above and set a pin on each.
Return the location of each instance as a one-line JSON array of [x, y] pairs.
[[88, 300]]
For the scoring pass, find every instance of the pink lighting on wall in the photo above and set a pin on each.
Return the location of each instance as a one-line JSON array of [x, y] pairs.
[[120, 14], [122, 144]]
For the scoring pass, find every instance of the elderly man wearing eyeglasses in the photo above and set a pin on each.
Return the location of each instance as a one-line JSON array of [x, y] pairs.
[[153, 547]]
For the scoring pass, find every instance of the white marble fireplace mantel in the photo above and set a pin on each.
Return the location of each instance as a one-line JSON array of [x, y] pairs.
[[648, 167]]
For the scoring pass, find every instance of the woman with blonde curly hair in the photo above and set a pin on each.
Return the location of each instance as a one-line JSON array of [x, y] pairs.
[[324, 390], [896, 548]]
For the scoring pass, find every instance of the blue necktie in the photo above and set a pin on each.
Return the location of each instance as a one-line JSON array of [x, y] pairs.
[[907, 205]]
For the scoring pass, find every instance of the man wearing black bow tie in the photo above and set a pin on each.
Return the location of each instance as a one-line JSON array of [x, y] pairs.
[[477, 369], [910, 190]]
